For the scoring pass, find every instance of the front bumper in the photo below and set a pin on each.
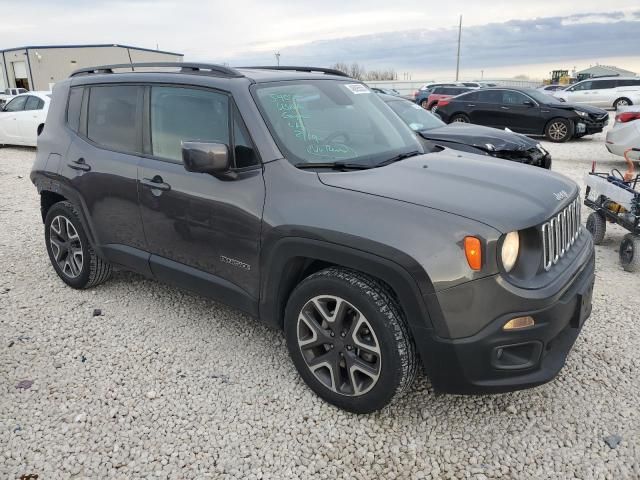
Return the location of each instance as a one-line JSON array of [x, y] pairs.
[[592, 124], [493, 360], [533, 156]]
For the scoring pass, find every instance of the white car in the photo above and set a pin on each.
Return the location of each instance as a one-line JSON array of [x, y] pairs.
[[22, 117], [611, 92], [550, 89], [625, 132], [9, 93]]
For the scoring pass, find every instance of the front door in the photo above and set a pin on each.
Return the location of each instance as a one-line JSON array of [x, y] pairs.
[[102, 164], [518, 115], [201, 230]]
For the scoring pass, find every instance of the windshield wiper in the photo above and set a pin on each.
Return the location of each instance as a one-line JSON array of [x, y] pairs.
[[334, 165], [397, 158]]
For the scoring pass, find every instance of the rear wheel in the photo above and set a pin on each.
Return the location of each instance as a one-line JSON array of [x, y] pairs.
[[622, 102], [434, 107], [630, 253], [597, 226], [559, 130], [460, 118], [348, 340], [424, 104], [70, 252]]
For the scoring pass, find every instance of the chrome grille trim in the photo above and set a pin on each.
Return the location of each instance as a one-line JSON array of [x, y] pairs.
[[560, 233]]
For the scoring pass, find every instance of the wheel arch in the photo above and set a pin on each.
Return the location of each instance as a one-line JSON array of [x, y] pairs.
[[615, 102], [291, 259]]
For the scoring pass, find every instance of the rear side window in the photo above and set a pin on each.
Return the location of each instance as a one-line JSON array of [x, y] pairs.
[[16, 105], [73, 108], [34, 103], [186, 114], [629, 83], [603, 84], [467, 97], [113, 117], [490, 96]]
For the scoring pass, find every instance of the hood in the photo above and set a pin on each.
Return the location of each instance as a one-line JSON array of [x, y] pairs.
[[504, 195], [479, 136], [582, 107]]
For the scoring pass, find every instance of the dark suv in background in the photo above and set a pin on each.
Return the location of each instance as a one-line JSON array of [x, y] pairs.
[[524, 110], [295, 195]]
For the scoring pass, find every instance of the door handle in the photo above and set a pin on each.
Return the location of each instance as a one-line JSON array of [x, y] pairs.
[[79, 164], [470, 105], [156, 183], [504, 108]]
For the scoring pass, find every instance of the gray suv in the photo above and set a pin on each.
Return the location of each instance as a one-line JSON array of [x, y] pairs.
[[296, 195]]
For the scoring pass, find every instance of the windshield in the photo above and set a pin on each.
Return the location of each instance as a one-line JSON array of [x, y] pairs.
[[415, 116], [319, 121], [542, 97]]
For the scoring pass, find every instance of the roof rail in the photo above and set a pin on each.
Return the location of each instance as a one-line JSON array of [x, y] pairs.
[[327, 71], [193, 68]]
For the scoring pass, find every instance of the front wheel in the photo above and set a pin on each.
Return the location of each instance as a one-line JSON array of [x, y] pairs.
[[630, 253], [559, 130], [348, 340]]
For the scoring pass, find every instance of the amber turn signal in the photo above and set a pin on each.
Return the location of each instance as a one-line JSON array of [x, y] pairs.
[[473, 252], [518, 323]]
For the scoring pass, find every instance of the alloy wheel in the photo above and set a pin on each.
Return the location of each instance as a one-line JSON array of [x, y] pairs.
[[66, 246], [622, 103], [339, 345], [558, 130]]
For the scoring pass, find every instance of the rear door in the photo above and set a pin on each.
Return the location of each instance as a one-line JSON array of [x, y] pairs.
[[33, 116], [102, 165], [9, 121], [202, 230], [484, 110]]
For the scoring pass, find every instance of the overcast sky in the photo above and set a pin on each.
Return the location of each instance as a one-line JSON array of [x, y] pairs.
[[500, 38]]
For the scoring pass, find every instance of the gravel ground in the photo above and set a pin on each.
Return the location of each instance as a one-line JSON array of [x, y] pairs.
[[170, 385]]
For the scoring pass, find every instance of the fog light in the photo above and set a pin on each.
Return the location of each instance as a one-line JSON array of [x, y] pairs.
[[518, 323]]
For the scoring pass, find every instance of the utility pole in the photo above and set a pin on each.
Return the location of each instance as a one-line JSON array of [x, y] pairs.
[[458, 59], [278, 58]]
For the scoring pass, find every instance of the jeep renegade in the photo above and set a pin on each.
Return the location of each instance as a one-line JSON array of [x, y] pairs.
[[296, 195]]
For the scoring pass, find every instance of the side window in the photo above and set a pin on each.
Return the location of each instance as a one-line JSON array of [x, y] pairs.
[[243, 150], [629, 83], [437, 91], [490, 96], [582, 86], [471, 96], [73, 108], [34, 103], [510, 97], [603, 84], [113, 117], [16, 105], [182, 114]]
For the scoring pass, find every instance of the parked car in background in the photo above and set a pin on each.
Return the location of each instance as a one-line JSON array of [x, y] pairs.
[[625, 132], [549, 89], [469, 138], [470, 84], [524, 110], [612, 92], [428, 86], [440, 93], [9, 93], [387, 91], [23, 117]]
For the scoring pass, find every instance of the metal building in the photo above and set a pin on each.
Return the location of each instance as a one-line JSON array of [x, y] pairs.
[[39, 67], [603, 70]]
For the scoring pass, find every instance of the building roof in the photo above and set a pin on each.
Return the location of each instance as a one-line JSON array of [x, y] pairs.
[[98, 45], [600, 70]]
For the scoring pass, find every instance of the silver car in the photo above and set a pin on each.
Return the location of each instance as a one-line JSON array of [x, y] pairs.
[[611, 92], [625, 132]]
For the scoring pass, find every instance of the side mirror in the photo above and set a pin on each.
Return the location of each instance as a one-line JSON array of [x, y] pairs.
[[204, 157], [529, 103]]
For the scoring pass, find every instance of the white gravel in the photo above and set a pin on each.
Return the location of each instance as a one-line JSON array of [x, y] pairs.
[[170, 385]]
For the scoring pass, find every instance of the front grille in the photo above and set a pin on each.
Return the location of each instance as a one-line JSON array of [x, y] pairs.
[[560, 233]]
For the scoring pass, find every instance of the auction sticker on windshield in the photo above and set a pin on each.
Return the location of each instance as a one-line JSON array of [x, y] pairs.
[[357, 88]]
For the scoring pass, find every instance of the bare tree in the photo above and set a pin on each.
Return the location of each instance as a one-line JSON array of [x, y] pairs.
[[355, 70]]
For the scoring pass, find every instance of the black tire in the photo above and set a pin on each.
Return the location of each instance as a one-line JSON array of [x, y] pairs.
[[622, 102], [460, 118], [93, 270], [425, 104], [559, 130], [597, 226], [630, 253], [372, 306], [434, 108]]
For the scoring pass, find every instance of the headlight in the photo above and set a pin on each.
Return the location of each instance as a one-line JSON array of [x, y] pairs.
[[510, 249], [541, 149], [582, 114]]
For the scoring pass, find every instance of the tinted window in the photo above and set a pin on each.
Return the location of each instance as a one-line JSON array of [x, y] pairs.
[[16, 105], [510, 97], [112, 117], [490, 96], [467, 97], [34, 103], [629, 83], [603, 84], [437, 90], [185, 114], [244, 152], [73, 108]]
